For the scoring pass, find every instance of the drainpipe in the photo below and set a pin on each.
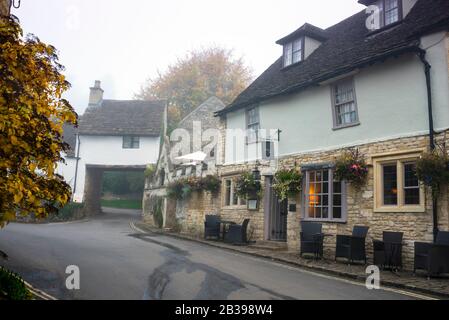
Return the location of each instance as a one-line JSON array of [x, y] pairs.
[[76, 166], [427, 67]]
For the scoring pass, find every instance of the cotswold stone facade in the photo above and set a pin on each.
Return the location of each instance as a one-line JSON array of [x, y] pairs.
[[416, 226]]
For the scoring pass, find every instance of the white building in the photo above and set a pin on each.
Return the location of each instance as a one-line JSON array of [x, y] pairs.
[[112, 135]]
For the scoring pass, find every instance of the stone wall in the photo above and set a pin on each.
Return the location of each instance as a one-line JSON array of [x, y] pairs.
[[360, 211], [192, 212], [417, 226]]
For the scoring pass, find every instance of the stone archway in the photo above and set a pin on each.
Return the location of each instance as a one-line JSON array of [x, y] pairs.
[[92, 190], [94, 183]]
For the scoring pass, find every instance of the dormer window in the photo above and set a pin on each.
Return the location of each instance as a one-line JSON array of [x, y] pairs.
[[300, 44], [390, 11], [293, 52]]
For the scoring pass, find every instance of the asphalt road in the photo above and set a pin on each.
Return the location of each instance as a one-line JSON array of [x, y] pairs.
[[117, 262]]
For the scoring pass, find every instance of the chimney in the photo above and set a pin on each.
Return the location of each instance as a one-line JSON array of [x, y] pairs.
[[96, 94]]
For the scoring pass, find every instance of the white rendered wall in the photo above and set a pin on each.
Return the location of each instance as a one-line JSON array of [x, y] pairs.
[[108, 151], [391, 99]]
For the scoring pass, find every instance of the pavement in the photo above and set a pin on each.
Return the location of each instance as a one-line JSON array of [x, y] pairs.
[[117, 261]]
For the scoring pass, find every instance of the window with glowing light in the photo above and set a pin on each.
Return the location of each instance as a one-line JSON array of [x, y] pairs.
[[324, 197]]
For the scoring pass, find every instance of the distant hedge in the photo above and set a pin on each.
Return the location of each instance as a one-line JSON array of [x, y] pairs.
[[121, 183]]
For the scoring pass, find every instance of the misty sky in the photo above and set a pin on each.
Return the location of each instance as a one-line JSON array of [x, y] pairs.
[[122, 43]]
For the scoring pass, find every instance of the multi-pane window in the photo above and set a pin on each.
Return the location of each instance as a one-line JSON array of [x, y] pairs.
[[390, 11], [345, 108], [324, 197], [228, 186], [293, 52], [408, 189], [252, 124], [397, 186], [411, 185], [131, 142], [231, 197]]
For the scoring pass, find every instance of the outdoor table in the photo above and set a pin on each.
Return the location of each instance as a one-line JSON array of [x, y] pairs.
[[225, 224], [393, 254], [319, 252]]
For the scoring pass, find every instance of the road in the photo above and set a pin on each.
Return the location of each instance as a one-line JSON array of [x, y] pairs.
[[117, 262]]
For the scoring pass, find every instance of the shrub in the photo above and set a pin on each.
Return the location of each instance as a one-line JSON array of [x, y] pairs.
[[351, 167], [149, 171], [179, 189], [247, 187], [211, 184], [182, 188], [12, 286], [287, 183], [70, 211], [433, 170]]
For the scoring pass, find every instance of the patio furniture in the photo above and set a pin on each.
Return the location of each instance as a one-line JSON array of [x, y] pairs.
[[311, 239], [388, 252], [352, 247], [433, 257], [212, 227], [236, 233], [225, 227]]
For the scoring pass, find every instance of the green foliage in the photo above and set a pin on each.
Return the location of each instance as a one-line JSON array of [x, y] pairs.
[[69, 211], [287, 183], [157, 211], [351, 167], [178, 189], [247, 187], [150, 170], [121, 183], [211, 184], [12, 286], [433, 170], [122, 204], [183, 188]]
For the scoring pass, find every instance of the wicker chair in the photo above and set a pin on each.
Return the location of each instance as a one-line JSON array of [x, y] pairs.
[[433, 257], [388, 252], [212, 227], [236, 233], [311, 239], [352, 247]]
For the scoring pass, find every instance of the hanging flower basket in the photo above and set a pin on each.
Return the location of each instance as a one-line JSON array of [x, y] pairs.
[[287, 184], [351, 167], [247, 187], [182, 188], [433, 170]]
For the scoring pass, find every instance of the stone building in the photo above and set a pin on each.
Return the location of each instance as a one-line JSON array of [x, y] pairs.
[[113, 135], [384, 91], [194, 134]]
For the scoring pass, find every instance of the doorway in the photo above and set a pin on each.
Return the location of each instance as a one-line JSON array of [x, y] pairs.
[[276, 213]]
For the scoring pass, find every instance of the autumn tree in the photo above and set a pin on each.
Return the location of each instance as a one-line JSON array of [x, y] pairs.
[[196, 77], [32, 112]]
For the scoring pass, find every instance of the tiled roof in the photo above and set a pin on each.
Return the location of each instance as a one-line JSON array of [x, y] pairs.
[[117, 117], [69, 137], [349, 46]]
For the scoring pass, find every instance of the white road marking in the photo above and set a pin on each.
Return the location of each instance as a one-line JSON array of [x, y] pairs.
[[301, 270]]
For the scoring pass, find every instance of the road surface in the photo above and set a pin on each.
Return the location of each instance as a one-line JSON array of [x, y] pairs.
[[117, 262]]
